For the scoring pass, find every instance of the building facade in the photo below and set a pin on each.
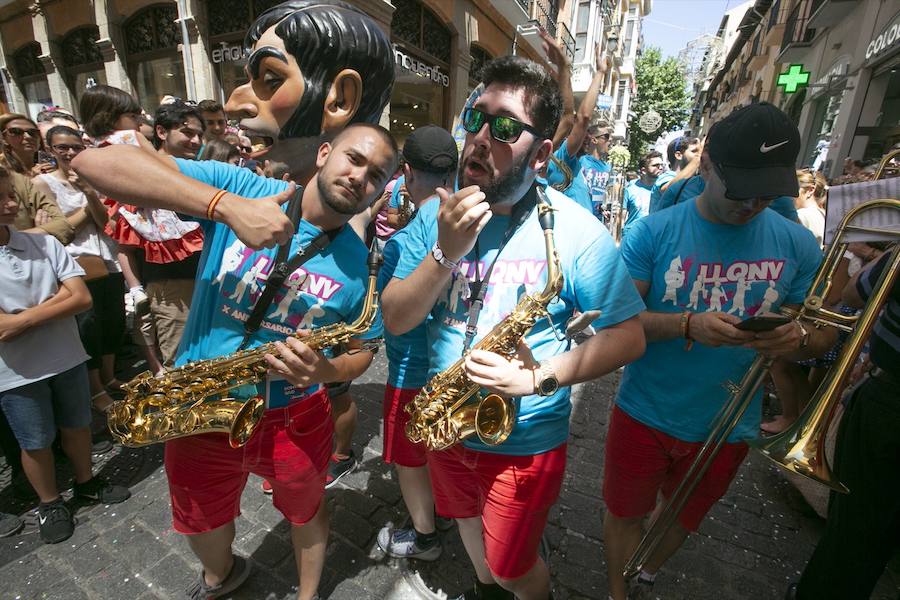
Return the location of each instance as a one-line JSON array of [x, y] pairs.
[[616, 26], [851, 49], [54, 49]]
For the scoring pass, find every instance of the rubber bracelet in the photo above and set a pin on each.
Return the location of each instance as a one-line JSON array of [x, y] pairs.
[[211, 207], [687, 332]]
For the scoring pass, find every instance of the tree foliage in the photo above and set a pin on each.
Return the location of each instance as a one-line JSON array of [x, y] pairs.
[[661, 86]]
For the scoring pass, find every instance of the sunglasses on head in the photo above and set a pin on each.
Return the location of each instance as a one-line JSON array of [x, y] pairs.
[[19, 132], [503, 129], [757, 199]]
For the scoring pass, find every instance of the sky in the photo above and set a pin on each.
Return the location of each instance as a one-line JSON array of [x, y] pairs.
[[673, 23]]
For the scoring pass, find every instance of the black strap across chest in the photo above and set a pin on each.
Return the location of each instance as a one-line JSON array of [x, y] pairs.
[[283, 268]]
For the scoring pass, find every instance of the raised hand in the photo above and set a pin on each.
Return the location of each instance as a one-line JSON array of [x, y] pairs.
[[461, 218], [554, 50]]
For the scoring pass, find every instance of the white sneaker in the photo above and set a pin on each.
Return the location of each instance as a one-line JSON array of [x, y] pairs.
[[402, 543]]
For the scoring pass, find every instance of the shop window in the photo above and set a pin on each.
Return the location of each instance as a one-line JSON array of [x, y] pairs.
[[419, 27], [480, 57], [29, 71], [82, 60], [153, 28], [155, 64]]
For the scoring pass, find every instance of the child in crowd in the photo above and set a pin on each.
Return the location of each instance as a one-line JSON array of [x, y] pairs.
[[43, 377]]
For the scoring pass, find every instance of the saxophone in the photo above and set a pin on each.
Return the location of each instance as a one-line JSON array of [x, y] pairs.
[[190, 400], [451, 408]]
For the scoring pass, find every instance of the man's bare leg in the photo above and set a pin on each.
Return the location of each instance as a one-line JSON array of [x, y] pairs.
[[470, 531], [213, 548], [310, 542], [533, 585], [415, 486]]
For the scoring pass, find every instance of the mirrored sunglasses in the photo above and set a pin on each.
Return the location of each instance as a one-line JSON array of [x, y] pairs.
[[503, 129]]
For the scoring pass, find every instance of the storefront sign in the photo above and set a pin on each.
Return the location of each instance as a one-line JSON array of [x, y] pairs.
[[604, 101], [228, 53], [793, 79], [885, 42], [418, 67]]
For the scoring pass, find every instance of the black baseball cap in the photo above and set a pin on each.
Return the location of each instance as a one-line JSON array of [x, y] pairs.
[[431, 148], [755, 150]]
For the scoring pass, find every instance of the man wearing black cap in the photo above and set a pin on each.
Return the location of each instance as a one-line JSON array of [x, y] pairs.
[[431, 156], [702, 267]]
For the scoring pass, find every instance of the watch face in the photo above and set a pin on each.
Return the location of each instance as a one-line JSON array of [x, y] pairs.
[[549, 386]]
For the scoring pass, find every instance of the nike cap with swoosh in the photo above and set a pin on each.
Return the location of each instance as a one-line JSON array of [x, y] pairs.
[[756, 149]]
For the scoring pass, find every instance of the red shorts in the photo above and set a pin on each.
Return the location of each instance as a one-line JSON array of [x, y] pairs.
[[512, 494], [291, 449], [641, 461], [397, 448]]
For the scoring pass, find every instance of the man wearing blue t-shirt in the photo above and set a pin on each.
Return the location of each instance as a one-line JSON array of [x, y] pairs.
[[595, 170], [501, 494], [704, 266], [323, 65], [683, 154], [636, 198], [431, 157]]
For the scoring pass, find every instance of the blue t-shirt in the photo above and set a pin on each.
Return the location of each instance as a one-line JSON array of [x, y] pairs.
[[595, 279], [578, 191], [637, 203], [696, 265], [554, 174], [656, 191], [595, 173], [686, 189], [407, 353], [394, 200], [329, 288]]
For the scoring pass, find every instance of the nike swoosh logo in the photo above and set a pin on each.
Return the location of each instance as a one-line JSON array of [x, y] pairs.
[[763, 148], [42, 519]]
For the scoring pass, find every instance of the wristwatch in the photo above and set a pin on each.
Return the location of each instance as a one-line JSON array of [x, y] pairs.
[[547, 383], [442, 260], [804, 335]]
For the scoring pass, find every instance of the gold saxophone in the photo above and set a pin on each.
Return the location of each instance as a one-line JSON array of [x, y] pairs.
[[451, 408], [189, 400]]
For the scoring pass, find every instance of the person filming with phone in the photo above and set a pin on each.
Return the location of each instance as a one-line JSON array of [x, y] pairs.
[[713, 271]]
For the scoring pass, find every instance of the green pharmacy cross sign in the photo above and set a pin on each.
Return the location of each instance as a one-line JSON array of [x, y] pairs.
[[793, 78]]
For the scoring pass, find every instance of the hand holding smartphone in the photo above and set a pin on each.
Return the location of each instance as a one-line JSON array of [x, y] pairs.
[[763, 323]]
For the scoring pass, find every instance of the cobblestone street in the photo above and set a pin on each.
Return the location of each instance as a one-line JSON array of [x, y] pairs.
[[753, 543]]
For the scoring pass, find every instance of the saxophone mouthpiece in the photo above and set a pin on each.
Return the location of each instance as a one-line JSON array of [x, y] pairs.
[[375, 258]]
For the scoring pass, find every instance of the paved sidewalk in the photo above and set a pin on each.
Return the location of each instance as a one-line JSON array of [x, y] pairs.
[[754, 542]]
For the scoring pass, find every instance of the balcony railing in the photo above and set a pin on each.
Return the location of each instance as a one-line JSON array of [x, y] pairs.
[[774, 15], [568, 41], [797, 33], [544, 12]]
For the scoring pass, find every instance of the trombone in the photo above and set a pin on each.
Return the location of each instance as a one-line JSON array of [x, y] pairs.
[[800, 448]]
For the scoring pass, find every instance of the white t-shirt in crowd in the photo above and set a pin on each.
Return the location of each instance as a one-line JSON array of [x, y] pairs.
[[813, 218]]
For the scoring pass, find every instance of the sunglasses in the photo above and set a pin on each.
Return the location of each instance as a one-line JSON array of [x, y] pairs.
[[18, 132], [756, 199], [503, 129], [65, 148], [605, 136]]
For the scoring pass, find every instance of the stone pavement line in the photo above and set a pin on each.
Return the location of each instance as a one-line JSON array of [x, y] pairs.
[[753, 543]]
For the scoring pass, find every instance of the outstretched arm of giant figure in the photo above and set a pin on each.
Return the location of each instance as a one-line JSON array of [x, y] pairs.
[[135, 176]]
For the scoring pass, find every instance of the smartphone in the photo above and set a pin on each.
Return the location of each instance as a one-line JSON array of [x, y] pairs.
[[763, 323], [46, 157]]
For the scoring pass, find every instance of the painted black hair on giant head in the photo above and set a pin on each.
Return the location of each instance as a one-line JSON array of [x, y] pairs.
[[172, 115], [326, 37], [543, 101]]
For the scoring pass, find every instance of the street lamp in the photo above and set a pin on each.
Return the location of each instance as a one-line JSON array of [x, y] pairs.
[[612, 42]]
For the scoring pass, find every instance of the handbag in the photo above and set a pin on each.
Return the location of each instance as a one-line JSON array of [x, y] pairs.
[[94, 267]]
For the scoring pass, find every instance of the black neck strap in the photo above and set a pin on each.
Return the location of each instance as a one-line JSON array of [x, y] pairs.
[[283, 268], [478, 288]]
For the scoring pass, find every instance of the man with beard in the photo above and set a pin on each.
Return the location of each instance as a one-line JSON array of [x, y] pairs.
[[637, 194], [316, 67], [501, 495]]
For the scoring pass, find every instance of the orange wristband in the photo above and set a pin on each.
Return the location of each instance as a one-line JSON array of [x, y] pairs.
[[686, 329], [211, 207]]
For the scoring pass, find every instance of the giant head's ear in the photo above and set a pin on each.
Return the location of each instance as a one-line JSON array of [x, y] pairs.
[[342, 100]]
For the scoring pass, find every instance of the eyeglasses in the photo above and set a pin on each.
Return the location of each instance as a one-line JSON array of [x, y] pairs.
[[19, 132], [604, 136], [503, 129], [65, 148], [755, 199]]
